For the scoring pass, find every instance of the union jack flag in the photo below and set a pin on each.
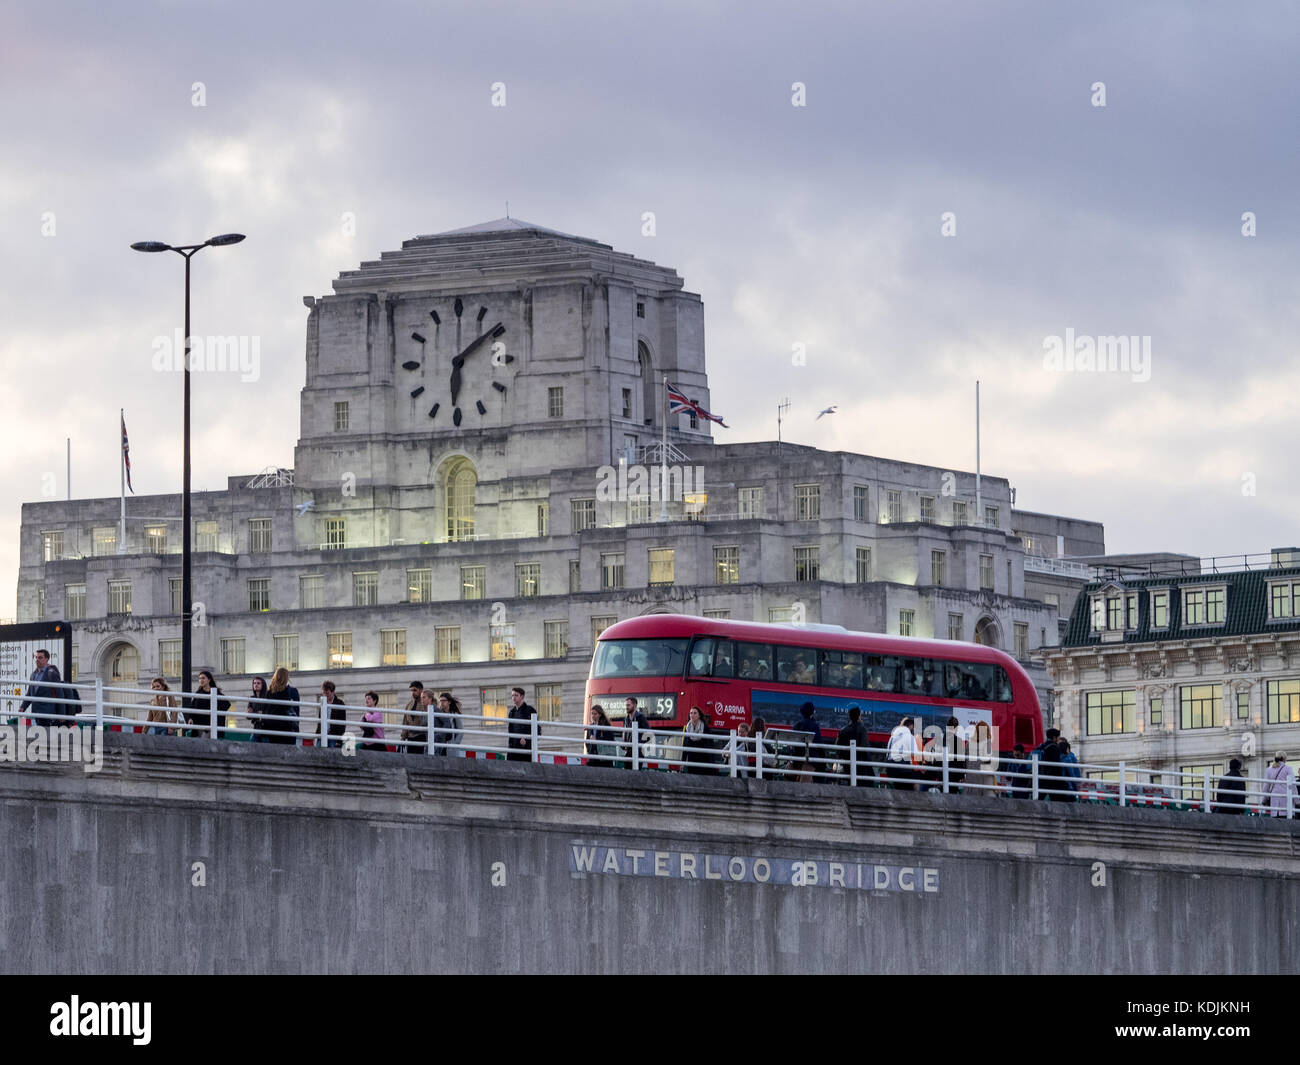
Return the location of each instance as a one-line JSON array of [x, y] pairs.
[[126, 454], [680, 403]]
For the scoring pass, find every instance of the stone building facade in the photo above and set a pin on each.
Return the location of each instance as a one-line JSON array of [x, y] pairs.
[[480, 412]]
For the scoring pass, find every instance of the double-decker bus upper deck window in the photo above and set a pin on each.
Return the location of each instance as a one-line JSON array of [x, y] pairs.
[[919, 677], [796, 665], [712, 657], [639, 658], [841, 669], [881, 673], [754, 661]]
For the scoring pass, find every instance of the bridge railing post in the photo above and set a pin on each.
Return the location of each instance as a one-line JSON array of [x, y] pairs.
[[758, 756], [1290, 797], [636, 744], [212, 715], [945, 768], [1033, 776], [853, 763], [99, 706], [1205, 789], [535, 733], [732, 748], [1123, 793]]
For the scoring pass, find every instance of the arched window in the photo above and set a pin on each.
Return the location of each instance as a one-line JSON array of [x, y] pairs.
[[986, 632], [121, 664], [649, 394], [458, 484]]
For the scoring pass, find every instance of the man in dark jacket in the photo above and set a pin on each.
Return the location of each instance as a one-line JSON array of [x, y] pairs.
[[45, 674], [332, 711], [812, 733], [520, 728], [854, 732], [632, 716], [1230, 796], [1048, 754]]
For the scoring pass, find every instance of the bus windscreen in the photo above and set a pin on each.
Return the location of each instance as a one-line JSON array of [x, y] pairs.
[[639, 658]]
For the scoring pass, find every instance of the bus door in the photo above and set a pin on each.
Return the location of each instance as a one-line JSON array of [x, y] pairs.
[[711, 683]]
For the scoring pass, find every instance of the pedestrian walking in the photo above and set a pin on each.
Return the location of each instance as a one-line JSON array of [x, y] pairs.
[[333, 716], [280, 709], [1281, 783], [162, 716], [855, 732], [1230, 795], [45, 713], [695, 743], [520, 728], [197, 706], [901, 754], [415, 721], [372, 724]]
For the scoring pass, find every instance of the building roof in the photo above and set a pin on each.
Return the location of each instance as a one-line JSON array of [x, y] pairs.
[[1246, 608], [503, 225]]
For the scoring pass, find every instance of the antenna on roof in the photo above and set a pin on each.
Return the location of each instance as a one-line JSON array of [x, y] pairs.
[[507, 208]]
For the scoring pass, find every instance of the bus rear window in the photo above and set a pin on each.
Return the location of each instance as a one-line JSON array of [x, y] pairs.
[[639, 658]]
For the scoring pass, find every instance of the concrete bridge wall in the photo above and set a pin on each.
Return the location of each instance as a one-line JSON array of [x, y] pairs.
[[314, 862]]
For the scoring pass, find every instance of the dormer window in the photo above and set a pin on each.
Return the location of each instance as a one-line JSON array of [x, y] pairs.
[[1160, 608], [1204, 606], [1283, 600], [1114, 611]]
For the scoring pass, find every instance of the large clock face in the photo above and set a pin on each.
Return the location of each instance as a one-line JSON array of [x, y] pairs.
[[477, 351]]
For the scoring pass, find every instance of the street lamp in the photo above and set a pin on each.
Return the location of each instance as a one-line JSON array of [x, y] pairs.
[[187, 252]]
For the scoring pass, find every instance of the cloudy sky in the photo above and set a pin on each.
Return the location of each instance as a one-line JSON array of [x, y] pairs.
[[819, 224]]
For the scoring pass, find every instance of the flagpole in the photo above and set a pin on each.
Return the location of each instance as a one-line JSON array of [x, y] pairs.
[[663, 460], [979, 513], [121, 458], [69, 469]]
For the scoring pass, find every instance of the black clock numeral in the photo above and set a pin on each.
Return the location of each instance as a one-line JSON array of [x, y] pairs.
[[482, 311], [416, 391], [481, 409], [499, 387], [417, 338], [458, 307], [436, 319], [455, 417], [496, 332], [410, 364], [433, 411]]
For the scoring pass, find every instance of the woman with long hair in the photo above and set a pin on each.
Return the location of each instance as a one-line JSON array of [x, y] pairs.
[[446, 723], [283, 698], [198, 706], [600, 737], [162, 710], [257, 706], [694, 742]]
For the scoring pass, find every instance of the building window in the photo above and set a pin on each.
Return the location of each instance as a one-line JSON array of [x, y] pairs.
[[119, 597], [1053, 599], [860, 502], [749, 502], [640, 308], [52, 545], [726, 565], [986, 572], [906, 622], [599, 624], [958, 512], [692, 419], [938, 567], [1203, 606], [169, 658], [446, 641], [1214, 599], [1098, 613], [575, 576], [1284, 600], [124, 664], [365, 589], [339, 645], [155, 539], [1193, 780], [991, 517], [1130, 612], [1243, 706], [895, 498], [336, 534], [473, 582], [611, 570], [719, 614], [661, 565], [174, 594], [807, 502], [104, 540], [1111, 713], [1020, 638], [460, 483], [494, 702], [583, 514], [1011, 584], [392, 647], [955, 626], [555, 402], [627, 403], [862, 562], [1156, 713], [259, 594], [419, 585], [259, 536], [232, 656], [501, 639], [1283, 698], [927, 508], [1200, 705], [311, 592], [638, 510], [285, 649], [807, 563], [74, 601], [1114, 613], [543, 519], [528, 579], [1159, 610], [548, 702], [205, 536], [341, 416], [780, 615], [555, 638]]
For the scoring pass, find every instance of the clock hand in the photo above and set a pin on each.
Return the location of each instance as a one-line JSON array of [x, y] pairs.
[[459, 360]]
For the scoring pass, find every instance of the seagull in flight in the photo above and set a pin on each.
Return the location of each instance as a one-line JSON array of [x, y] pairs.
[[828, 410], [304, 507]]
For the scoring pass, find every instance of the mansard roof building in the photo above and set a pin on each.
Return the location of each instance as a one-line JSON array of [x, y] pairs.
[[461, 507]]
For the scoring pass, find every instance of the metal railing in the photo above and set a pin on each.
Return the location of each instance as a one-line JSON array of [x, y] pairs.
[[950, 763]]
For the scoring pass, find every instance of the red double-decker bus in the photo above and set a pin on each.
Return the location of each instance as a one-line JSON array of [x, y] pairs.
[[735, 671]]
